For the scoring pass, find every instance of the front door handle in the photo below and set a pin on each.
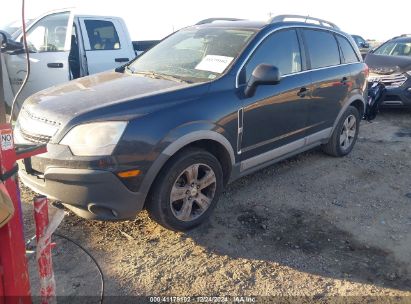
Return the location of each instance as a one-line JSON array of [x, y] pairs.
[[55, 65], [302, 93], [121, 60]]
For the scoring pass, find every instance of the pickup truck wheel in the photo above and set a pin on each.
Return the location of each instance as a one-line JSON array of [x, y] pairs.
[[186, 190], [345, 135]]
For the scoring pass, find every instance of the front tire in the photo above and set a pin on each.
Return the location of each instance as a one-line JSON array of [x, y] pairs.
[[345, 134], [186, 190]]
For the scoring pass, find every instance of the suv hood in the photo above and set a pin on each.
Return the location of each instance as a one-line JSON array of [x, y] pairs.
[[64, 102], [386, 65]]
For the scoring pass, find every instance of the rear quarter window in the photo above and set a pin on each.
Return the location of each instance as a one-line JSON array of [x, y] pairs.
[[322, 48], [347, 52]]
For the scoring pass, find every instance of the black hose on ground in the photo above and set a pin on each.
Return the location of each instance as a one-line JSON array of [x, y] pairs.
[[92, 258]]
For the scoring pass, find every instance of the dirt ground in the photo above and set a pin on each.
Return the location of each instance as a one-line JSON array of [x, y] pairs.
[[312, 227]]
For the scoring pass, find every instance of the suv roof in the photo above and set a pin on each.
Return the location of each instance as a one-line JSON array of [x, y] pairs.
[[402, 38], [278, 21]]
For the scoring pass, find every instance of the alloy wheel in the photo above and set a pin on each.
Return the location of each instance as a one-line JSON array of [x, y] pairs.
[[193, 192], [348, 132]]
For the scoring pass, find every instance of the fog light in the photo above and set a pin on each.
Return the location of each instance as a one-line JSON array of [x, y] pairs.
[[128, 174], [409, 90]]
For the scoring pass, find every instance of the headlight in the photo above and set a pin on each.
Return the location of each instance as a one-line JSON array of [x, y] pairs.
[[408, 72], [94, 139]]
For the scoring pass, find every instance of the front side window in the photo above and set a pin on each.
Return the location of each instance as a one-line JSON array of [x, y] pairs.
[[102, 35], [49, 34], [281, 49], [394, 48], [194, 54], [322, 48], [348, 52]]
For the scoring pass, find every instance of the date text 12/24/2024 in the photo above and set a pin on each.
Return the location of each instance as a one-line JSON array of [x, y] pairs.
[[202, 299]]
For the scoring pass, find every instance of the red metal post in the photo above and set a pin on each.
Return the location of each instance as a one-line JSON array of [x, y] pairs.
[[44, 260], [13, 262]]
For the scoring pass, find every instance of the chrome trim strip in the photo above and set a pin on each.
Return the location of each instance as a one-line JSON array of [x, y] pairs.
[[240, 128], [294, 27], [283, 150]]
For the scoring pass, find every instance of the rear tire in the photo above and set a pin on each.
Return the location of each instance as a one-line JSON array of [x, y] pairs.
[[186, 190], [345, 134]]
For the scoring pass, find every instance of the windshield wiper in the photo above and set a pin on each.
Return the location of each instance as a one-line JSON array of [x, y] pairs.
[[155, 75]]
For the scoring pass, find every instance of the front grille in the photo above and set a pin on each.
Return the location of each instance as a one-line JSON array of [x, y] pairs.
[[394, 80], [36, 129], [35, 138]]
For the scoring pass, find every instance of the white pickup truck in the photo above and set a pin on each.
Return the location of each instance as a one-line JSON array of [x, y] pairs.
[[65, 46]]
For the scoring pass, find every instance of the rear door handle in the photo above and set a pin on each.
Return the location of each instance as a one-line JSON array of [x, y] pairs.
[[121, 60], [55, 65], [303, 92], [344, 81]]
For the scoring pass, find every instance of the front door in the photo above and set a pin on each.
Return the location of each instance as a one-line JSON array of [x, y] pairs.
[[49, 45], [276, 116]]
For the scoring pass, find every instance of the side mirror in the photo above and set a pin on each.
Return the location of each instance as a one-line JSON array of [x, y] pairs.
[[263, 74], [8, 44]]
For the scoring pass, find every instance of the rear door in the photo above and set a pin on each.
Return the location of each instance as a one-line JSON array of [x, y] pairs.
[[331, 79], [49, 42], [106, 44], [277, 114]]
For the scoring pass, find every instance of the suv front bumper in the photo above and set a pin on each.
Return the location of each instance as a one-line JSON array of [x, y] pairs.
[[91, 194]]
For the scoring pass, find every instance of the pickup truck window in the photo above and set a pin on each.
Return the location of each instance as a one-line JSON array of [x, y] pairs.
[[194, 54], [49, 34], [102, 35]]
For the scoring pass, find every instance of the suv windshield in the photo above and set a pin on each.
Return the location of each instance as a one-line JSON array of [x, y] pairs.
[[395, 48], [193, 54]]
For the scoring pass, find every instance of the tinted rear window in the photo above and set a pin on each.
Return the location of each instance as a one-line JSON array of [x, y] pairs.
[[323, 48], [348, 52]]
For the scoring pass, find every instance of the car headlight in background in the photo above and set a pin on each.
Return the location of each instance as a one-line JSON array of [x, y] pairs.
[[94, 139]]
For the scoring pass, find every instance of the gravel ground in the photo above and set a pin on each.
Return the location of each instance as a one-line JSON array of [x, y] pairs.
[[311, 228]]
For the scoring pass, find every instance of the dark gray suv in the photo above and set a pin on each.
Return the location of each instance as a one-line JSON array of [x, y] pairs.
[[207, 105]]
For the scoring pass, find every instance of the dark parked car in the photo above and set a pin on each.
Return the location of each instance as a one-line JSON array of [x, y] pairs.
[[391, 64], [206, 106], [363, 45]]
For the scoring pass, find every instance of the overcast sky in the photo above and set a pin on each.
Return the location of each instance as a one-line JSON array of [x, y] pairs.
[[154, 19]]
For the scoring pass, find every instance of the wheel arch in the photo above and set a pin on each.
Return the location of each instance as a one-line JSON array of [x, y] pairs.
[[211, 141], [357, 101]]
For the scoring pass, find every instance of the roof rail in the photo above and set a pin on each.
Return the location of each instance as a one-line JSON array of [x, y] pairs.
[[282, 18], [402, 36], [211, 20]]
